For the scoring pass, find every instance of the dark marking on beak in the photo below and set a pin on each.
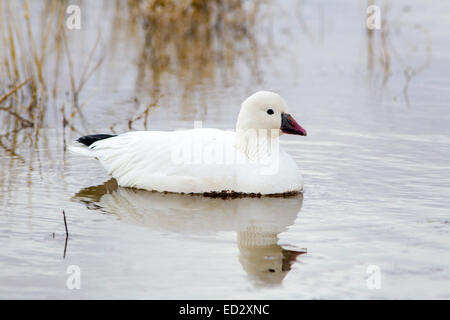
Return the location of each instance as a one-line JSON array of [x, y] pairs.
[[290, 126]]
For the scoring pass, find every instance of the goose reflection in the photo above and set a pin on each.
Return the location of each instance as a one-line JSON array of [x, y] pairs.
[[257, 221]]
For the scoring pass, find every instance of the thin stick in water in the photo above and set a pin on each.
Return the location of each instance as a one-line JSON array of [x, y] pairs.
[[67, 234], [65, 224]]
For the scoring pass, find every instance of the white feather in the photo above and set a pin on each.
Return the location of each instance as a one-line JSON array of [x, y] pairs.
[[80, 149], [198, 160]]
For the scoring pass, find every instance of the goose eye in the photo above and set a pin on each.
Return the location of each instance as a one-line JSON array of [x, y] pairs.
[[270, 111]]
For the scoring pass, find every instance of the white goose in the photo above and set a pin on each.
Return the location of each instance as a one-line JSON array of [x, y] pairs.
[[247, 161]]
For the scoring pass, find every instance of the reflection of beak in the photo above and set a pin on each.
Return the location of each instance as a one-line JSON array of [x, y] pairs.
[[290, 126]]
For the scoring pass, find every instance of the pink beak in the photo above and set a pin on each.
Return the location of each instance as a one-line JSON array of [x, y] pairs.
[[290, 126]]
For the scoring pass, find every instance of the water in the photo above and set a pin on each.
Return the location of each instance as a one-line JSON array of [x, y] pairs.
[[375, 165]]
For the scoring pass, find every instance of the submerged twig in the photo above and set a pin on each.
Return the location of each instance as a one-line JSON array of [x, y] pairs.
[[14, 90], [67, 234], [26, 122], [144, 114], [65, 224], [84, 78]]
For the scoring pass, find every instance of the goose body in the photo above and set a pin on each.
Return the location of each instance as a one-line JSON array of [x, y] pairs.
[[205, 160]]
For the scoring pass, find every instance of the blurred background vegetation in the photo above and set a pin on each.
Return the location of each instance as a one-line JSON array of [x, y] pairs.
[[178, 51], [190, 39]]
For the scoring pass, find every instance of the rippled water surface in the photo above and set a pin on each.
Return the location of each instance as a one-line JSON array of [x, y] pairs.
[[375, 164]]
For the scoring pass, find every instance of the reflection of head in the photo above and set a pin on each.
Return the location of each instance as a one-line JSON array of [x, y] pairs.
[[257, 221], [267, 264], [263, 259]]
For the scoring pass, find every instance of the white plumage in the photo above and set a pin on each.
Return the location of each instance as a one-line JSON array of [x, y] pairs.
[[248, 160]]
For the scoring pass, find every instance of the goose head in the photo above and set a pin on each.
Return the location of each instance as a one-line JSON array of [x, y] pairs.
[[267, 110]]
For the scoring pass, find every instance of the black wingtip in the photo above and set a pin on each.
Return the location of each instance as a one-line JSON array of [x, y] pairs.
[[88, 140]]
